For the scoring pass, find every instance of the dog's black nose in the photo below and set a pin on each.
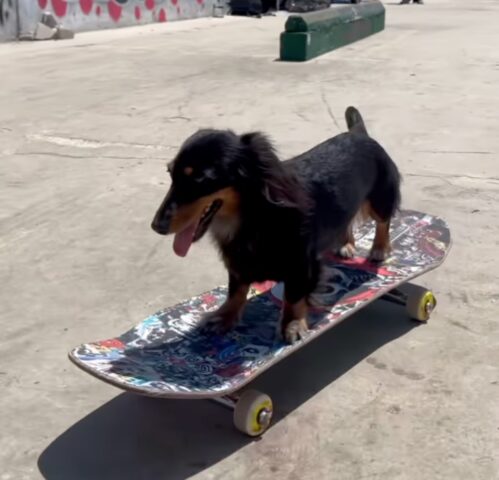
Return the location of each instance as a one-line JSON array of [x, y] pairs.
[[163, 216], [160, 226]]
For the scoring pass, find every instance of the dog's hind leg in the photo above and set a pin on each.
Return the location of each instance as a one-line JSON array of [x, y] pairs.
[[381, 245], [383, 203], [348, 248]]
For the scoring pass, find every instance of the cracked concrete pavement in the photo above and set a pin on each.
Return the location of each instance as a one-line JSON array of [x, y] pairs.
[[86, 127]]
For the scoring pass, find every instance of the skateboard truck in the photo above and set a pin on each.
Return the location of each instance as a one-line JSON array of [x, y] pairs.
[[418, 301]]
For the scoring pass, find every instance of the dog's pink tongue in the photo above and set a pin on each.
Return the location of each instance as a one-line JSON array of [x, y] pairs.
[[183, 240]]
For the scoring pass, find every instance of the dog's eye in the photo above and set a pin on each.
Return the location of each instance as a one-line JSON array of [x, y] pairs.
[[207, 174]]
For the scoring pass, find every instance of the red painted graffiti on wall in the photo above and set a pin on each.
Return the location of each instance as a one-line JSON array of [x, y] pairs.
[[86, 6], [113, 8], [60, 7]]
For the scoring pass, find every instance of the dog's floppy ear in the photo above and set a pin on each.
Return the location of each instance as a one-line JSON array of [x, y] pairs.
[[262, 162]]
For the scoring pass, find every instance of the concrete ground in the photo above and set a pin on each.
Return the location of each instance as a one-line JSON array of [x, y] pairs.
[[86, 127]]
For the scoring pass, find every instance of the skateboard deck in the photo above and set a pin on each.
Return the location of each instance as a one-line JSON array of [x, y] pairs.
[[169, 355]]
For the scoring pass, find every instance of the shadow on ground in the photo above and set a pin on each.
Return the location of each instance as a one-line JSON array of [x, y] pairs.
[[133, 437]]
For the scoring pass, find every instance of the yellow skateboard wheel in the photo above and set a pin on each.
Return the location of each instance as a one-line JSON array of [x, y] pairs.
[[420, 302], [253, 413]]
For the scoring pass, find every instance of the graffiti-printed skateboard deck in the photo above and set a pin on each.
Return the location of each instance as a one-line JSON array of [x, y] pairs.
[[169, 355]]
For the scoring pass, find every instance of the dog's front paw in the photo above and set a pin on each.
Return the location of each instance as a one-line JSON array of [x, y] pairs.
[[347, 251], [223, 320], [295, 330]]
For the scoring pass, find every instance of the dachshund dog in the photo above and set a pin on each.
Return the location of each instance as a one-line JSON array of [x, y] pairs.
[[273, 220]]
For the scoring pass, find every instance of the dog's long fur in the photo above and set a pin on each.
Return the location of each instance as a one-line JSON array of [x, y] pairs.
[[275, 219]]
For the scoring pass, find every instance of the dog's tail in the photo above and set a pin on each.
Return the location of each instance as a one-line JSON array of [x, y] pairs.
[[355, 122]]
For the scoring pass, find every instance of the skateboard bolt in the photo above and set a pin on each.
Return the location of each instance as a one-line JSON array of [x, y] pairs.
[[264, 417], [429, 307]]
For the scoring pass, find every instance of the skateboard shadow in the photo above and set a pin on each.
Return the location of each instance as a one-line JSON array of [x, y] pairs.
[[134, 437]]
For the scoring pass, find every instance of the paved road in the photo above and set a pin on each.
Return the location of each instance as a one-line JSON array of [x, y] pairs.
[[86, 127]]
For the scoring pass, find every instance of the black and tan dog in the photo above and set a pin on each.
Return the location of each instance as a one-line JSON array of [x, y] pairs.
[[272, 220]]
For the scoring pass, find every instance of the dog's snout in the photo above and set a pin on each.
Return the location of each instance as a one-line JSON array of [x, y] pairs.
[[160, 226], [162, 219]]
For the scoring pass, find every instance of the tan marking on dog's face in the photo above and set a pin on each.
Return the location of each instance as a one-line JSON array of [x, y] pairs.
[[227, 221], [231, 201], [188, 214], [188, 171]]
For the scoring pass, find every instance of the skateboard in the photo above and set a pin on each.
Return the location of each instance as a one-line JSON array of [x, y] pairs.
[[170, 355]]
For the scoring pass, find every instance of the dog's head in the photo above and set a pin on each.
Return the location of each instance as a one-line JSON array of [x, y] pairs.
[[211, 174]]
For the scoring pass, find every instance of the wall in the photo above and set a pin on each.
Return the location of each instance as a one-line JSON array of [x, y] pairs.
[[80, 15], [8, 19]]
